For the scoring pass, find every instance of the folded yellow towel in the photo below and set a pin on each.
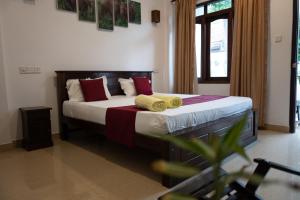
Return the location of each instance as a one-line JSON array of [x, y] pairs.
[[150, 103], [171, 101]]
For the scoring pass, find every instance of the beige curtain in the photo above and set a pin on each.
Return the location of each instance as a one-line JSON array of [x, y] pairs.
[[249, 56], [185, 55]]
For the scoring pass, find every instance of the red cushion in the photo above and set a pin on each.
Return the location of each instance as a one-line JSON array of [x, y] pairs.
[[142, 85], [93, 90]]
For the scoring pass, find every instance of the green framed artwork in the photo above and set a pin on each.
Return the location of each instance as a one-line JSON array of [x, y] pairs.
[[135, 12], [86, 10], [105, 14], [68, 5], [121, 13]]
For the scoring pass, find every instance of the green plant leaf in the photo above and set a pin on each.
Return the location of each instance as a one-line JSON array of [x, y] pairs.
[[174, 196], [254, 179], [241, 151], [193, 145], [208, 151], [219, 189], [175, 169], [232, 137], [215, 142]]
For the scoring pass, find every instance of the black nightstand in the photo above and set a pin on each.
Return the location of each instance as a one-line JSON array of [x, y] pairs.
[[36, 128]]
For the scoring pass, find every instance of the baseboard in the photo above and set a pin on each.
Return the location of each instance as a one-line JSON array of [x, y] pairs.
[[18, 144], [55, 135], [7, 147], [271, 127]]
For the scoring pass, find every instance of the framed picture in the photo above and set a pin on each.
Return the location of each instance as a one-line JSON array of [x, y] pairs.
[[121, 13], [135, 12], [105, 14], [68, 5], [87, 10]]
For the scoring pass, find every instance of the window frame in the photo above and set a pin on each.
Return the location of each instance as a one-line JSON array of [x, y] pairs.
[[205, 20]]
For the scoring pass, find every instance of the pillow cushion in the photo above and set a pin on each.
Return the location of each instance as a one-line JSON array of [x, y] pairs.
[[93, 90], [128, 87], [142, 85], [74, 90], [108, 95]]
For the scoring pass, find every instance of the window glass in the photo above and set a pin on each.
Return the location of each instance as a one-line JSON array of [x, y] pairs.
[[215, 37], [199, 11], [219, 5], [219, 48], [198, 49]]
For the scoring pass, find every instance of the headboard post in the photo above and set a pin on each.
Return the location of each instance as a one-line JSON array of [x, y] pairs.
[[113, 86], [62, 96]]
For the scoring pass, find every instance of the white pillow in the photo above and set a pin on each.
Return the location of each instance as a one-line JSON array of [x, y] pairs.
[[128, 87], [107, 93], [74, 90]]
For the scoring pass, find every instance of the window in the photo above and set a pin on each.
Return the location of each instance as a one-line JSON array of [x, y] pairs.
[[214, 21], [199, 11], [218, 6]]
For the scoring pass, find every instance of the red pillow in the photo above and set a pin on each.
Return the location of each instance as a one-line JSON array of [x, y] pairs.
[[93, 90], [142, 85]]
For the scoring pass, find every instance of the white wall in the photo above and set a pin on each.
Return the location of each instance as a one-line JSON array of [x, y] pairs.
[[40, 35], [213, 89], [278, 90]]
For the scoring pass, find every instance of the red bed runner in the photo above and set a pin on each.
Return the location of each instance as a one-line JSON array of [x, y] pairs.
[[201, 99], [120, 121], [120, 124]]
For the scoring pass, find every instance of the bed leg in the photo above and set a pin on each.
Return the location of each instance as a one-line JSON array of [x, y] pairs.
[[169, 154], [64, 133], [167, 182], [255, 121]]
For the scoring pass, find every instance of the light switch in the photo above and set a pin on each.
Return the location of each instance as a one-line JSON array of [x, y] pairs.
[[29, 70], [278, 38]]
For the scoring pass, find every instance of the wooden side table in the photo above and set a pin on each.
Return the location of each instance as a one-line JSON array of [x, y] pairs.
[[36, 127]]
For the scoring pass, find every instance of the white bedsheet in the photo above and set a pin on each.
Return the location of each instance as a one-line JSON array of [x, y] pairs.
[[168, 121]]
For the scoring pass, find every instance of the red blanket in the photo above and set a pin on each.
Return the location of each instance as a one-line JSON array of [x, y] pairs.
[[120, 121]]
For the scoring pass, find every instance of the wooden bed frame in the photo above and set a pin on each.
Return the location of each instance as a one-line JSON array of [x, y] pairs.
[[167, 151]]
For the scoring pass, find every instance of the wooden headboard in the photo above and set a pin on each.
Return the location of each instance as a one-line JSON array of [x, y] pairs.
[[112, 78]]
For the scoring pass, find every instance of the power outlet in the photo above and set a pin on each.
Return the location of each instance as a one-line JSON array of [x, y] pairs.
[[29, 70], [278, 39]]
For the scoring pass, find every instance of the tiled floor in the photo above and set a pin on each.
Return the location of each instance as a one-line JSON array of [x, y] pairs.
[[277, 147], [100, 170]]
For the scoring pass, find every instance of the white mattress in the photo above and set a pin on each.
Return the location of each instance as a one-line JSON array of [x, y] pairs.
[[168, 121]]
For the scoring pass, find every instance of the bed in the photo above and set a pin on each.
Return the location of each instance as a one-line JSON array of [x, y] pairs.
[[193, 121]]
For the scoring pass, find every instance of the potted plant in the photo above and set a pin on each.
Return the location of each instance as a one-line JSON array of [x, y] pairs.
[[215, 153]]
